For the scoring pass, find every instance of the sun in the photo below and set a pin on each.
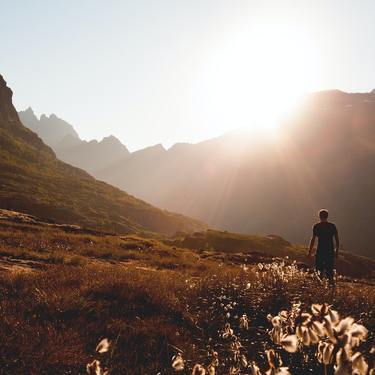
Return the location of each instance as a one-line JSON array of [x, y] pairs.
[[257, 75], [282, 66]]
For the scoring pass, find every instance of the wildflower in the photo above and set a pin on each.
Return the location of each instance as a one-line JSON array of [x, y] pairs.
[[359, 365], [235, 347], [198, 370], [178, 362], [211, 369], [103, 346], [276, 321], [325, 352], [244, 322], [283, 315], [254, 369], [234, 371], [358, 334], [304, 319], [276, 333], [274, 360], [215, 358], [319, 310], [289, 343], [94, 368], [345, 331], [318, 328], [275, 363], [333, 315], [343, 366], [228, 332]]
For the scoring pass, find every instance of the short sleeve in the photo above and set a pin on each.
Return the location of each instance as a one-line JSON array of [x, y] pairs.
[[315, 230], [334, 229]]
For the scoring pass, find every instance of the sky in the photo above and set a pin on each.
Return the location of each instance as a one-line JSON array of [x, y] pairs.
[[167, 71]]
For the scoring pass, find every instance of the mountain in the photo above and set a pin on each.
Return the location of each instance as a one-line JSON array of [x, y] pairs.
[[50, 128], [34, 181], [251, 183], [93, 155], [65, 141]]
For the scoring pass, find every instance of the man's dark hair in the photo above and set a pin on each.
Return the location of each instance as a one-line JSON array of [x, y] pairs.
[[323, 214]]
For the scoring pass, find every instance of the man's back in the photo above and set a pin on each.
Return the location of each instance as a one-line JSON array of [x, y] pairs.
[[325, 231]]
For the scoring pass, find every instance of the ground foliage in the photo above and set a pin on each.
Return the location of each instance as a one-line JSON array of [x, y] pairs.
[[150, 300]]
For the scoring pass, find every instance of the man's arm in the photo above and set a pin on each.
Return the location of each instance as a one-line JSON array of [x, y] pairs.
[[312, 243]]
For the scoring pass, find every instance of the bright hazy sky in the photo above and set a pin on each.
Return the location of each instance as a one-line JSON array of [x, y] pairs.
[[166, 71]]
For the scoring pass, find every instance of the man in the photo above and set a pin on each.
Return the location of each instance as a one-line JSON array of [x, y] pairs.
[[324, 258]]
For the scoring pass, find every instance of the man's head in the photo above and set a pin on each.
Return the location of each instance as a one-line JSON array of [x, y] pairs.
[[323, 215]]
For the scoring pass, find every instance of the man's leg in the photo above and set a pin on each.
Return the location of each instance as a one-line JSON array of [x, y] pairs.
[[319, 264], [329, 264]]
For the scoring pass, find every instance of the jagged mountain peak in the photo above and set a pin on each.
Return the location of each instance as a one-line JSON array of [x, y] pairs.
[[111, 139], [29, 110], [7, 111]]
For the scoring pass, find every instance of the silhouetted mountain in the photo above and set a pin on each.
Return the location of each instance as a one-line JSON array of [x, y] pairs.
[[61, 136], [91, 156], [34, 181], [253, 184], [50, 128]]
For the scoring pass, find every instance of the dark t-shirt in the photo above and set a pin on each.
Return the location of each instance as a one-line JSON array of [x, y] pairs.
[[325, 231]]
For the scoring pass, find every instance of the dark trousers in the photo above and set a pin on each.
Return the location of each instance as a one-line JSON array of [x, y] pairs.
[[324, 261]]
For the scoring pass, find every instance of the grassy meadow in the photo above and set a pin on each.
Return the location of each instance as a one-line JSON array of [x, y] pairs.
[[65, 290]]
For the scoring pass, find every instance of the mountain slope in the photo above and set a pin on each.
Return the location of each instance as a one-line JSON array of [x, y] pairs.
[[33, 180]]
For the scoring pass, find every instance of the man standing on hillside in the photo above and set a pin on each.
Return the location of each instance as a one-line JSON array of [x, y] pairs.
[[326, 252]]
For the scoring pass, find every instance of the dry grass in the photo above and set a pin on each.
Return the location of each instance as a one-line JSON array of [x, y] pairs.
[[150, 298]]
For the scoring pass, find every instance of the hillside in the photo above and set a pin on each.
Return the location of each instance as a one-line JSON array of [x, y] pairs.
[[33, 180]]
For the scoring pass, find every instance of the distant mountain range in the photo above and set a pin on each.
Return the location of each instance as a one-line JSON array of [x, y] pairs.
[[34, 181], [252, 183], [91, 156]]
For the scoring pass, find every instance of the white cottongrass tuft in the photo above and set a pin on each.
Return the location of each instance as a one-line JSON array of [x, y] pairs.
[[94, 368], [244, 322], [198, 370], [178, 362], [289, 343], [103, 346]]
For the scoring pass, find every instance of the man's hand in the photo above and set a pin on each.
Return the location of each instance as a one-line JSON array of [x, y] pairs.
[[311, 246]]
